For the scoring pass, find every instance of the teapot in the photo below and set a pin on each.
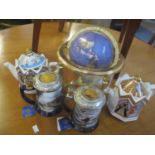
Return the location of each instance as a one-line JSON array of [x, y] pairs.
[[127, 98], [26, 67]]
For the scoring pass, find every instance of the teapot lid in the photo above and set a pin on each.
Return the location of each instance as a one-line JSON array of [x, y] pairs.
[[30, 60], [132, 86]]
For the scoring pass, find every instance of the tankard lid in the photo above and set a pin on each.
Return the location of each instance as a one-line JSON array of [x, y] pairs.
[[89, 95], [47, 81]]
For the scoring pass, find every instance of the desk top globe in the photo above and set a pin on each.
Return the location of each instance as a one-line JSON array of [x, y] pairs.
[[94, 48]]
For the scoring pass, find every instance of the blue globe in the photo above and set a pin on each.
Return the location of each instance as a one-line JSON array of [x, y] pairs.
[[92, 49]]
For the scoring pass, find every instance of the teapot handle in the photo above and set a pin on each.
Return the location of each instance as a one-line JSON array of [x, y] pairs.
[[28, 100]]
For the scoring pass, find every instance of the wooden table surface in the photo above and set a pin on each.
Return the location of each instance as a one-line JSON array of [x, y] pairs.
[[14, 41]]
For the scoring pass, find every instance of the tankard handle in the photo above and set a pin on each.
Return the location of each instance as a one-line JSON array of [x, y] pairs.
[[25, 98], [68, 102]]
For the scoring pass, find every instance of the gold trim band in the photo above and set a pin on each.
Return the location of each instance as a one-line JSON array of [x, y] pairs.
[[63, 58]]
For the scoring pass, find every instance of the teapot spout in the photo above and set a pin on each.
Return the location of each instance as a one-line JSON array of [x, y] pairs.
[[12, 69]]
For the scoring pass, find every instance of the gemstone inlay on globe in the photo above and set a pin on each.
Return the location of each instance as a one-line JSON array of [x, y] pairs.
[[92, 49]]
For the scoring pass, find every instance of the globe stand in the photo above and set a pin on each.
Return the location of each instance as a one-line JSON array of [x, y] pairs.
[[86, 76]]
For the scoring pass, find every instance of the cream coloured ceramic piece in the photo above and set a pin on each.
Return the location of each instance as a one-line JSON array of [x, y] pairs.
[[127, 98]]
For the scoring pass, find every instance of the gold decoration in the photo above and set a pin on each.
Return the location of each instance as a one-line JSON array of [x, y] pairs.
[[47, 77], [63, 56], [133, 86], [90, 93]]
